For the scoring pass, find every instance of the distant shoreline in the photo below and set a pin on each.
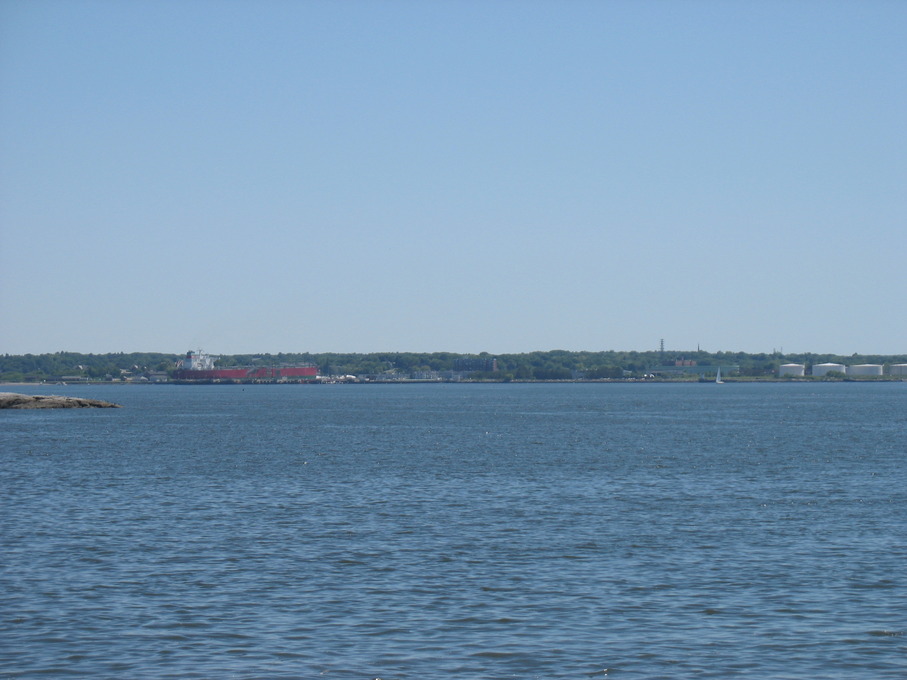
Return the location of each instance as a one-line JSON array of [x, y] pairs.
[[544, 366], [602, 381]]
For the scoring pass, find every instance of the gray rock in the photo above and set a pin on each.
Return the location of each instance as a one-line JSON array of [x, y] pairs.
[[23, 401]]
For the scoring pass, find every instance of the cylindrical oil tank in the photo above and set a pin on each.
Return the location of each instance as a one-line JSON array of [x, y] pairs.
[[898, 369], [795, 370], [822, 369], [865, 369]]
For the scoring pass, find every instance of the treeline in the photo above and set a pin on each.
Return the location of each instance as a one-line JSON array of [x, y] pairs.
[[60, 365], [542, 365]]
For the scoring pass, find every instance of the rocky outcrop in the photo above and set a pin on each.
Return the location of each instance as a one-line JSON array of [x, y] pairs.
[[12, 400]]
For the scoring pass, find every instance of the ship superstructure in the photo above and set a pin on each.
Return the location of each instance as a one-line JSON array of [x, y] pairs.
[[196, 361]]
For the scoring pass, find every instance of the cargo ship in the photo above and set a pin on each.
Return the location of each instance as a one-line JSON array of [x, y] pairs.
[[200, 366]]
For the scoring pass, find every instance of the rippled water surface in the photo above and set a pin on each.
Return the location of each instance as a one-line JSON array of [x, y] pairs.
[[457, 531]]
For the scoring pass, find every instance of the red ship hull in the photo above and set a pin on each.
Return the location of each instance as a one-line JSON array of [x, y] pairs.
[[255, 373]]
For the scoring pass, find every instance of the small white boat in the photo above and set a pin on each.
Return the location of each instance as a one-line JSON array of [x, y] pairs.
[[718, 380]]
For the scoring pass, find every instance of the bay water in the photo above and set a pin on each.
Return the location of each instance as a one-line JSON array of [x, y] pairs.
[[457, 531]]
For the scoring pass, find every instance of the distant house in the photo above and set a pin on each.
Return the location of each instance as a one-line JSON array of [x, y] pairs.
[[472, 363]]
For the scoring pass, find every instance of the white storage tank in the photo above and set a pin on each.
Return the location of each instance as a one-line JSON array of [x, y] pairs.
[[822, 369], [865, 369], [898, 369], [795, 370]]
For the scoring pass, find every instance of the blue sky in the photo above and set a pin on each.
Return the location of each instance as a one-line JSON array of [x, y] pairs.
[[462, 176]]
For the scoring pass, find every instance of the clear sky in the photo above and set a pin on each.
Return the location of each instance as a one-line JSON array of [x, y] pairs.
[[488, 175]]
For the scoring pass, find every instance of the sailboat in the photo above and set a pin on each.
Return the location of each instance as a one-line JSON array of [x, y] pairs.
[[718, 380]]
